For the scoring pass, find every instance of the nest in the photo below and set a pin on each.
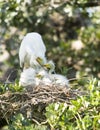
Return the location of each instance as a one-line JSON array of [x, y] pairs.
[[33, 101]]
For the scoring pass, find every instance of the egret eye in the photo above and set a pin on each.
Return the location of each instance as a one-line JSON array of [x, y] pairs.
[[53, 72]]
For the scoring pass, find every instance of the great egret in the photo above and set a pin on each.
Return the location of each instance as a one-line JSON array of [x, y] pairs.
[[32, 55], [32, 51]]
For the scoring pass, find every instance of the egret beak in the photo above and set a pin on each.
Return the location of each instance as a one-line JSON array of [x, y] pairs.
[[39, 76], [48, 66], [39, 60]]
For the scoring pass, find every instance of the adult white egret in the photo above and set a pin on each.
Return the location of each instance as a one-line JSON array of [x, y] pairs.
[[32, 51], [32, 55]]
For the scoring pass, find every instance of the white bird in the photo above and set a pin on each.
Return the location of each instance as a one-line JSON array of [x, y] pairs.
[[32, 55], [50, 66], [31, 77], [32, 51], [43, 77], [58, 79], [27, 77]]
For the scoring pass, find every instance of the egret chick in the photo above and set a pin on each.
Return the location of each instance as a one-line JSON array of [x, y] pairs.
[[58, 79], [32, 47], [50, 66], [44, 77], [27, 77]]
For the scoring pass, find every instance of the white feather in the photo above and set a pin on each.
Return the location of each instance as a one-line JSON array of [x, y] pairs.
[[45, 77], [50, 66], [58, 79], [27, 77], [31, 48], [32, 77]]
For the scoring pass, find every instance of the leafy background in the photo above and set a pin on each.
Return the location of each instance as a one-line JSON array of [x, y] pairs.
[[70, 30]]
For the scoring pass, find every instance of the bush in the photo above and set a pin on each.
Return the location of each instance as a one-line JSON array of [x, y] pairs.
[[80, 114]]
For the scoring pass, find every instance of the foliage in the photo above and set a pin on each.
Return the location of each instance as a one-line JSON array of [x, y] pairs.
[[19, 122], [82, 114], [13, 87]]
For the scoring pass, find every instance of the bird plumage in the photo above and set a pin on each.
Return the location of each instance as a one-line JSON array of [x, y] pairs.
[[32, 47], [32, 55], [44, 76], [27, 77], [59, 79], [50, 66]]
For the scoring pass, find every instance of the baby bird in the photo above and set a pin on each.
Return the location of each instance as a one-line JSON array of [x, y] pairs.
[[43, 77], [59, 79], [32, 51], [50, 66], [27, 77]]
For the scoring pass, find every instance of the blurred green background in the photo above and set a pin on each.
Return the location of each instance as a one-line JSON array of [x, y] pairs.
[[70, 30]]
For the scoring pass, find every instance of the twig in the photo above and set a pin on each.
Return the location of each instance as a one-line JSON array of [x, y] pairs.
[[34, 120]]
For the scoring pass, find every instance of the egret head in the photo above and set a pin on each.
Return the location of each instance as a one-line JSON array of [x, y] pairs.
[[41, 74], [37, 62], [43, 77], [50, 66]]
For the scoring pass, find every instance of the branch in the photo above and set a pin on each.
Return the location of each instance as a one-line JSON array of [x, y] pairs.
[[88, 4]]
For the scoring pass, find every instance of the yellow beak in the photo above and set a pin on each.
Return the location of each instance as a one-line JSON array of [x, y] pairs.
[[48, 66], [39, 60]]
